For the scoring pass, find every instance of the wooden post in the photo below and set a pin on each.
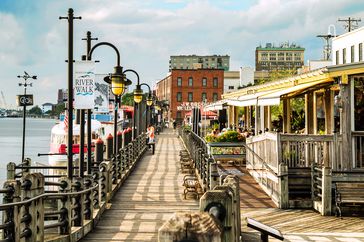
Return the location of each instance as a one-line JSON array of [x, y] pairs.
[[346, 125], [257, 119], [314, 110], [309, 113], [269, 118], [248, 118], [326, 191], [262, 118], [329, 124], [286, 116], [236, 119], [283, 185]]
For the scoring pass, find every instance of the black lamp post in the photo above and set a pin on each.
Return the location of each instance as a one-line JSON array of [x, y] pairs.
[[149, 102], [138, 97], [118, 82], [24, 102]]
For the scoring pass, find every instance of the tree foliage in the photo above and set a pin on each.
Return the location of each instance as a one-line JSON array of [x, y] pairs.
[[127, 99], [35, 110]]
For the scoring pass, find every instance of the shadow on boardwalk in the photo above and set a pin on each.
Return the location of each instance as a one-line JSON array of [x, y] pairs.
[[148, 198], [154, 192]]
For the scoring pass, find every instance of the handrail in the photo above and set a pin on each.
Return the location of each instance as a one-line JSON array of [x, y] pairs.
[[260, 159], [46, 195]]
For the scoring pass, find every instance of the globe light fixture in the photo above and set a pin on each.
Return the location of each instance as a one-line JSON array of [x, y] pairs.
[[149, 100], [118, 81], [138, 94]]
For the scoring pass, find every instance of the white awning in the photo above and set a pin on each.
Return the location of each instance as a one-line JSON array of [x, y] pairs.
[[215, 106], [241, 103], [274, 98]]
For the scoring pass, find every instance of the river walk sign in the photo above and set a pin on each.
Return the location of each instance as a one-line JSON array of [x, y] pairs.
[[84, 85]]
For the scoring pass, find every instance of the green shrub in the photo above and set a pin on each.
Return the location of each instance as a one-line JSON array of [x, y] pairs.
[[228, 136]]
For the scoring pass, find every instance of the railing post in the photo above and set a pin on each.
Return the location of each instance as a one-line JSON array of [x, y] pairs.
[[10, 175], [78, 205], [32, 213], [214, 174], [104, 182], [11, 216], [88, 208], [96, 193], [64, 206], [326, 191], [283, 186]]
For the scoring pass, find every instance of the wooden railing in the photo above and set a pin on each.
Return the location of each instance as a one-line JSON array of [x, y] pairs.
[[51, 207], [358, 144], [297, 150]]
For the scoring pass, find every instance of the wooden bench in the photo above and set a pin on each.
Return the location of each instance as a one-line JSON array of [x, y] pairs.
[[348, 194], [187, 165], [264, 230]]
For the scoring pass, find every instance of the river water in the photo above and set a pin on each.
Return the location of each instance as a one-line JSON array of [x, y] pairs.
[[37, 139]]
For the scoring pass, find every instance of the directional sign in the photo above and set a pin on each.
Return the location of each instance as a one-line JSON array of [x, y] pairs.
[[24, 100]]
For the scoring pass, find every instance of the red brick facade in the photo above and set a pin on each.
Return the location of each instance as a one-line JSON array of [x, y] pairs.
[[178, 92]]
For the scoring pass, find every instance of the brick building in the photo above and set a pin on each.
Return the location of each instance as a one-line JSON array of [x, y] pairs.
[[185, 88]]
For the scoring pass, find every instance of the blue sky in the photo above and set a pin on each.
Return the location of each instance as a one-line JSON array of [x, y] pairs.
[[147, 32]]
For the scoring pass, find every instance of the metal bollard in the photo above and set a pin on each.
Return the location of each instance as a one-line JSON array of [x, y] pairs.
[[109, 146], [99, 151]]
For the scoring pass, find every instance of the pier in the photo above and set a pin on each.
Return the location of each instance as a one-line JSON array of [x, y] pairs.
[[131, 197]]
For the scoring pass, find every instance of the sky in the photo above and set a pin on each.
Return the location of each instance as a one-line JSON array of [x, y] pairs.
[[148, 32]]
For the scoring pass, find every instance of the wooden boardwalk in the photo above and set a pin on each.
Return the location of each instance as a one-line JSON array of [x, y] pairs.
[[297, 225], [148, 198], [154, 192]]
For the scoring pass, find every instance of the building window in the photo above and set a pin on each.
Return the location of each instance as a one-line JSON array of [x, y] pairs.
[[179, 81], [190, 97], [204, 82], [214, 97], [337, 57], [352, 53], [231, 87], [179, 115], [190, 81], [344, 56], [215, 82], [360, 51], [179, 96], [204, 96]]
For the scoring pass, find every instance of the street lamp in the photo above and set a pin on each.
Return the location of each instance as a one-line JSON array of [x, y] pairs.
[[25, 100], [118, 82]]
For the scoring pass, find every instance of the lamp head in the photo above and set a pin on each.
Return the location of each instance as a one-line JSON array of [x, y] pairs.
[[118, 81], [138, 94], [149, 100]]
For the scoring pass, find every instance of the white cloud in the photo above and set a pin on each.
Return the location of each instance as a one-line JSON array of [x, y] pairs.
[[148, 32]]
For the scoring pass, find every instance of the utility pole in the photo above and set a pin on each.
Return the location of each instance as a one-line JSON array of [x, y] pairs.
[[327, 46], [70, 19], [350, 23], [89, 111]]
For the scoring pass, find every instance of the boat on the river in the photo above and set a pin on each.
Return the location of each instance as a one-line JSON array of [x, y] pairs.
[[59, 139]]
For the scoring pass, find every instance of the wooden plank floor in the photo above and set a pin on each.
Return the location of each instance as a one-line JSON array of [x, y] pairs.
[[148, 198], [297, 225]]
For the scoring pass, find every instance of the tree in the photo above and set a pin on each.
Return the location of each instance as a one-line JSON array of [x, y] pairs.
[[36, 110], [127, 99]]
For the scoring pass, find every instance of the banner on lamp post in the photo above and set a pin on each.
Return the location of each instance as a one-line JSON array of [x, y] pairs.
[[84, 84], [101, 94]]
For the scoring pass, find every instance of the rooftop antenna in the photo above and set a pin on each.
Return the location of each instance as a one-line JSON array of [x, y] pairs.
[[327, 37], [350, 23]]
